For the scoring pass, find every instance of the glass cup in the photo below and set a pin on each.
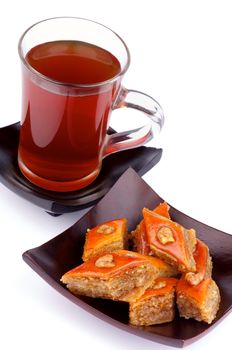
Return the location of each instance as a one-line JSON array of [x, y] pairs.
[[72, 69]]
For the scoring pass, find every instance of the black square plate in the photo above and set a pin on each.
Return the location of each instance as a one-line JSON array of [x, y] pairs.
[[126, 199]]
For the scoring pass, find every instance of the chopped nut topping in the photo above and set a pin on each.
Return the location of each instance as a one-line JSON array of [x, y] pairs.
[[159, 284], [194, 278], [165, 235], [105, 261], [142, 267], [105, 229]]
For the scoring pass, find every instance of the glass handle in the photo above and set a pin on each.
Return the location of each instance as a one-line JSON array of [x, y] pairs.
[[136, 137]]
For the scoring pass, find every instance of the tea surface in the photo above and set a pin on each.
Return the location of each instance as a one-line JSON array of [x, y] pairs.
[[73, 62]]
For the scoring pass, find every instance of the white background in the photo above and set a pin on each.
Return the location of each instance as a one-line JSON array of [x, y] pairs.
[[181, 55]]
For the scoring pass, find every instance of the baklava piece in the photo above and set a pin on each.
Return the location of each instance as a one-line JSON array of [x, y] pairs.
[[105, 238], [200, 301], [170, 241], [139, 235], [198, 296], [156, 305], [203, 264], [118, 275]]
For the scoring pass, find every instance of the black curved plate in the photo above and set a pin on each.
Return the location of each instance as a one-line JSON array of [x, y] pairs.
[[140, 159], [126, 199]]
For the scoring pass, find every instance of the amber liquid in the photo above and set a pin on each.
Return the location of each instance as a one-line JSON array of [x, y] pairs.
[[63, 132]]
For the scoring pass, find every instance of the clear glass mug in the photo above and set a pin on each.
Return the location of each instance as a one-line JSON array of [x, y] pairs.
[[63, 134]]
